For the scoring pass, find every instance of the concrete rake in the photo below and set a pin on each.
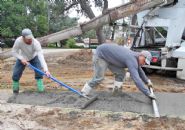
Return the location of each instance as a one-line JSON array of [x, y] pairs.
[[90, 100]]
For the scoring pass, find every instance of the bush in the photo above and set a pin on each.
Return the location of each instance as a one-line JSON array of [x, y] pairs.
[[52, 45], [70, 43], [9, 42]]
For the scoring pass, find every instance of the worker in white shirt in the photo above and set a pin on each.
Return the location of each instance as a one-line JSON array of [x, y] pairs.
[[28, 50]]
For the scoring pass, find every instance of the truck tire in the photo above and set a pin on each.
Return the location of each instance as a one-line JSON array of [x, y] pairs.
[[149, 70], [171, 62]]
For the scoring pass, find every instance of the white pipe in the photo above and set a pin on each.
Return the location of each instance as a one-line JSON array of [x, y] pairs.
[[154, 104]]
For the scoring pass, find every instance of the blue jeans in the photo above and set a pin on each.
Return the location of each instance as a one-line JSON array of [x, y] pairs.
[[100, 67], [19, 68]]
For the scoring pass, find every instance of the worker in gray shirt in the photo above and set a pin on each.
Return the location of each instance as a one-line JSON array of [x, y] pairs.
[[116, 58], [27, 50]]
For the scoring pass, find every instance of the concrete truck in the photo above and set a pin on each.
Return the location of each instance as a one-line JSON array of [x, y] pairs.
[[168, 48]]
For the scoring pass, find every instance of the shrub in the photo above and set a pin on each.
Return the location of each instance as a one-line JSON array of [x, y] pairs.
[[70, 43]]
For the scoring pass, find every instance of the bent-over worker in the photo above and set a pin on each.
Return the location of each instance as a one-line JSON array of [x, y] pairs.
[[116, 58]]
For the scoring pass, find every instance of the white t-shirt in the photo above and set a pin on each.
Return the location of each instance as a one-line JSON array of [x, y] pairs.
[[21, 51]]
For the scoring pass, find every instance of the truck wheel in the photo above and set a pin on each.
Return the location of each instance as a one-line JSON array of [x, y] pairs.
[[171, 62], [149, 70]]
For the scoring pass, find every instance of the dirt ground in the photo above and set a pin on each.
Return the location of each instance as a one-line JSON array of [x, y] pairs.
[[19, 117], [75, 68]]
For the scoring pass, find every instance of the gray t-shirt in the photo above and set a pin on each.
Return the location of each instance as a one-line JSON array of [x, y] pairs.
[[125, 58]]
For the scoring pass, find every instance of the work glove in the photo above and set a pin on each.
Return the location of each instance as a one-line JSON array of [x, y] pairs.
[[24, 62], [47, 73], [150, 84], [152, 96]]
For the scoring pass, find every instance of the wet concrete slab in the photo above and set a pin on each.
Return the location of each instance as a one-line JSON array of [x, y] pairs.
[[170, 104]]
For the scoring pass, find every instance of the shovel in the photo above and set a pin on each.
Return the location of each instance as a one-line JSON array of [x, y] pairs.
[[90, 100]]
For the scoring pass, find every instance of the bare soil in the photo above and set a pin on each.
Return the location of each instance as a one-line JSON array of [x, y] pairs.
[[74, 69], [19, 117]]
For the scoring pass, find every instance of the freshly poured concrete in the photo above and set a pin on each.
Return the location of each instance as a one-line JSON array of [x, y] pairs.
[[171, 104]]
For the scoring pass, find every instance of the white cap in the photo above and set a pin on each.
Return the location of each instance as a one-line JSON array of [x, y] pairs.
[[27, 33], [148, 56]]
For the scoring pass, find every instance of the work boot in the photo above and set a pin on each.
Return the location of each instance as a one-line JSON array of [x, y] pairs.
[[15, 87], [86, 89], [117, 88], [40, 85]]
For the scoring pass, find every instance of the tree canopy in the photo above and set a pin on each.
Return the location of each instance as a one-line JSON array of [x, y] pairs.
[[41, 16], [44, 16]]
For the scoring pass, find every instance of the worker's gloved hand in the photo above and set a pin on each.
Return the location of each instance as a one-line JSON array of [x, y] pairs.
[[150, 84], [24, 62], [152, 96], [47, 73]]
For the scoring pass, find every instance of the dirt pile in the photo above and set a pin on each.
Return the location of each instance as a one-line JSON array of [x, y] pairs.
[[83, 57]]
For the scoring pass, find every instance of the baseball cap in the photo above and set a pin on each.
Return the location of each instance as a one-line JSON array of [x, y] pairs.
[[148, 56], [27, 33]]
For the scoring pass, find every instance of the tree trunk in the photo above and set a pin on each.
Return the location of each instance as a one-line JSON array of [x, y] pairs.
[[5, 55], [87, 9], [99, 31], [113, 32], [134, 22], [100, 35]]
